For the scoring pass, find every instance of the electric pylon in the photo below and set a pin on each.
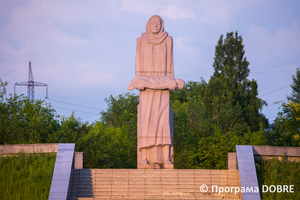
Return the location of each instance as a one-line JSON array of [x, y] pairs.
[[31, 83]]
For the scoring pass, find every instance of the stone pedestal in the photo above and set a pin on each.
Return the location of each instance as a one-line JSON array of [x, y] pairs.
[[155, 166]]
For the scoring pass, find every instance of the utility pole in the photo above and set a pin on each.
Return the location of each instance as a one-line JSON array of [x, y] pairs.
[[31, 83]]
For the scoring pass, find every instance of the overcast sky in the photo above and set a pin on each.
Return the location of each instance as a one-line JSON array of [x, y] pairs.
[[85, 50]]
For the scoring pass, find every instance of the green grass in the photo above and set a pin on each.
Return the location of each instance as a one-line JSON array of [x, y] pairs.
[[274, 172], [27, 176]]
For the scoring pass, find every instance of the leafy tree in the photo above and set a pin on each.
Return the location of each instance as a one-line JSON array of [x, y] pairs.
[[200, 141], [2, 89], [295, 96], [211, 118], [112, 142], [233, 94], [70, 131], [285, 131], [108, 147], [25, 121], [120, 109]]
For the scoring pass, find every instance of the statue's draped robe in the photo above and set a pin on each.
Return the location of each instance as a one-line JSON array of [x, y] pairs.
[[154, 70]]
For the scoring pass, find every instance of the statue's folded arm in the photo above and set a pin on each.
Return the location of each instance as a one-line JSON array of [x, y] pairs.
[[142, 82]]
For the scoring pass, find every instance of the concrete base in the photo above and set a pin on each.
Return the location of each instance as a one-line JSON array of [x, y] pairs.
[[155, 166], [168, 166], [78, 160], [231, 161], [150, 166], [28, 148]]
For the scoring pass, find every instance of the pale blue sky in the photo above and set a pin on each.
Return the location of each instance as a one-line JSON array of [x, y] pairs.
[[85, 50]]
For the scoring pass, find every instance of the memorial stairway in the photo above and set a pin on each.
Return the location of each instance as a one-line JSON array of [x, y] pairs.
[[136, 184]]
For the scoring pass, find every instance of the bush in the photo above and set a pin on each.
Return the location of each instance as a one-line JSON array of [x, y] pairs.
[[26, 176], [275, 172]]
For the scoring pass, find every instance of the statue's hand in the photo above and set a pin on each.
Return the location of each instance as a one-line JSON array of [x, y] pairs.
[[130, 87], [180, 83]]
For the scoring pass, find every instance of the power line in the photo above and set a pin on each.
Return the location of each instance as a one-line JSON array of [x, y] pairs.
[[94, 70], [270, 105], [277, 66], [274, 90], [75, 110], [13, 71], [75, 104], [276, 71], [275, 103]]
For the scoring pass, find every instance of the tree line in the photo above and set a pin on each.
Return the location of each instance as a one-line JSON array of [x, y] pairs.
[[210, 118]]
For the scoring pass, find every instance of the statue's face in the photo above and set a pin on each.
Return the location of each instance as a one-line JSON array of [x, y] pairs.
[[155, 25]]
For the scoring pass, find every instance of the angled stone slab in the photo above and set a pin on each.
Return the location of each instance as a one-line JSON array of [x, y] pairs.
[[62, 171], [247, 170]]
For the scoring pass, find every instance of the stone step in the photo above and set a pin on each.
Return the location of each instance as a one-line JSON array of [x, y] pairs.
[[106, 198], [147, 179], [163, 193], [157, 197], [101, 176], [111, 176], [151, 171], [150, 184]]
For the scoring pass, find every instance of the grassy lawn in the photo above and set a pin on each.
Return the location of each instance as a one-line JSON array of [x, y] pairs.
[[27, 176], [274, 172]]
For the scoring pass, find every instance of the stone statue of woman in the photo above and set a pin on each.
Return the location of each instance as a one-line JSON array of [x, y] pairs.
[[154, 71]]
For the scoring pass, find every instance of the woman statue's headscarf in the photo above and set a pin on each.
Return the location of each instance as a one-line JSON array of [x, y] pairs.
[[152, 38]]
